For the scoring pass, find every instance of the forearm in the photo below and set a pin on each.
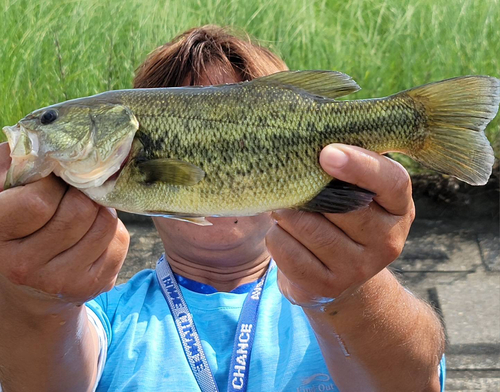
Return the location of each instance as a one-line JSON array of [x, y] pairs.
[[380, 338], [51, 352], [57, 249]]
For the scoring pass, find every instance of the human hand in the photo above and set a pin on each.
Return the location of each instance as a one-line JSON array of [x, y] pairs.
[[58, 248], [326, 256]]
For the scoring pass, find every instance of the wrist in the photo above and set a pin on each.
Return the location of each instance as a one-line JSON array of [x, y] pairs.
[[375, 327], [381, 288], [23, 302]]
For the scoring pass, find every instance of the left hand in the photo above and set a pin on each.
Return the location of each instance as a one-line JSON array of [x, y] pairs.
[[322, 256]]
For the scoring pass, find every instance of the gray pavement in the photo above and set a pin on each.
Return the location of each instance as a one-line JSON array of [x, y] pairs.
[[454, 265], [451, 260]]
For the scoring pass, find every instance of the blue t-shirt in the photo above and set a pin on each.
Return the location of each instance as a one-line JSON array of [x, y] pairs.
[[145, 352]]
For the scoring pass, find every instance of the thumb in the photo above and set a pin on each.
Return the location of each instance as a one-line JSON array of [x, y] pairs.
[[4, 162]]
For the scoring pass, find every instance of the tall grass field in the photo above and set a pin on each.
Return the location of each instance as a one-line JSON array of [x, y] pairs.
[[55, 50]]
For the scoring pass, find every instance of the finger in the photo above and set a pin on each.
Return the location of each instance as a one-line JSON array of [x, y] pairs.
[[372, 225], [4, 163], [298, 264], [72, 220], [326, 278], [369, 170], [25, 209], [102, 274], [106, 268], [69, 271], [320, 236], [92, 245]]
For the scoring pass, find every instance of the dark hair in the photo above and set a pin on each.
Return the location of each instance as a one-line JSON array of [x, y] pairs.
[[185, 59]]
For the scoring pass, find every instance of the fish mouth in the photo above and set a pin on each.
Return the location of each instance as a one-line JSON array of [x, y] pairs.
[[26, 166], [31, 161]]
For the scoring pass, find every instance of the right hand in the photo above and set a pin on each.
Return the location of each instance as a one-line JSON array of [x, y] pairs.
[[58, 248]]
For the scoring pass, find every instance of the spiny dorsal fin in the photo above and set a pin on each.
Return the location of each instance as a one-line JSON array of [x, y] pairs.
[[171, 171], [329, 84]]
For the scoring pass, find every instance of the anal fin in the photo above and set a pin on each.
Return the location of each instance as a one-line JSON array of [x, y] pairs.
[[339, 197]]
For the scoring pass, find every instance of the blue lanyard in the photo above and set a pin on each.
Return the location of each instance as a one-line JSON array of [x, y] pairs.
[[243, 340]]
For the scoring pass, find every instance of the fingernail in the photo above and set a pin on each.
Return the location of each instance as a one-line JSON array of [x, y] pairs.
[[333, 158], [276, 215], [113, 212]]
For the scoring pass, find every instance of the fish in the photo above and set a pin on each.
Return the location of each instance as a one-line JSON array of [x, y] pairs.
[[245, 148]]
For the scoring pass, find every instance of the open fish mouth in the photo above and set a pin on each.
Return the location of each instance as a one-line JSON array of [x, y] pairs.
[[31, 161], [21, 142], [27, 165]]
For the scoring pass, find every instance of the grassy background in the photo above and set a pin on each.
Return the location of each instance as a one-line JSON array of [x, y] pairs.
[[55, 50]]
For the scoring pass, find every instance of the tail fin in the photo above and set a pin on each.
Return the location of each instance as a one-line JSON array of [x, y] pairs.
[[457, 112]]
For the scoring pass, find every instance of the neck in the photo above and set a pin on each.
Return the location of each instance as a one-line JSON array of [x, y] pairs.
[[225, 255], [222, 278]]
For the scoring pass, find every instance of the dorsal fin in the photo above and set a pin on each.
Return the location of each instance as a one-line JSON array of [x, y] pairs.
[[329, 84]]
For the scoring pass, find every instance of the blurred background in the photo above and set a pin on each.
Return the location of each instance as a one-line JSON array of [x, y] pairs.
[[55, 50]]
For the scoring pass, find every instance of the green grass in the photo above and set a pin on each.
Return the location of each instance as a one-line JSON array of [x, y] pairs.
[[55, 50]]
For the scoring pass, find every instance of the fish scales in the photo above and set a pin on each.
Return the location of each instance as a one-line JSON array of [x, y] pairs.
[[252, 151], [250, 147]]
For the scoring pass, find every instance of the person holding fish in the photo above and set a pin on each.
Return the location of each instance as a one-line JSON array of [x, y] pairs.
[[252, 195]]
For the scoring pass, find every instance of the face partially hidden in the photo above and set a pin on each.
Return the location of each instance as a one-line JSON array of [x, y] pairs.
[[228, 242], [230, 238]]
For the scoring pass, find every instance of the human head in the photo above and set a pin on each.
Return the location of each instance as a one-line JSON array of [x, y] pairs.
[[210, 55], [206, 53]]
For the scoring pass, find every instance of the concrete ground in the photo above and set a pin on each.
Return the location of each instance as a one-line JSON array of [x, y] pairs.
[[455, 265], [451, 260]]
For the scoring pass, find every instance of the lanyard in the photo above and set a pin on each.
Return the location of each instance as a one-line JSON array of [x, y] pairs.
[[243, 340]]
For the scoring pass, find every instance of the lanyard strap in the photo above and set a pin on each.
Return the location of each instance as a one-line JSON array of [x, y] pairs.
[[190, 339]]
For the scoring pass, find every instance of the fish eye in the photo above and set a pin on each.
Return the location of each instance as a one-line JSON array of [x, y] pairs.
[[48, 117]]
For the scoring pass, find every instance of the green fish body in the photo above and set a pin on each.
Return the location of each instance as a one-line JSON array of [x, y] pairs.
[[246, 148]]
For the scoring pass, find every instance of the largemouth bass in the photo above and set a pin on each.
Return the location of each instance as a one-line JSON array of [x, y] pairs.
[[250, 147]]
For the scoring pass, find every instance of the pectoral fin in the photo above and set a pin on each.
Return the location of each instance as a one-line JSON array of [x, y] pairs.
[[171, 171]]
